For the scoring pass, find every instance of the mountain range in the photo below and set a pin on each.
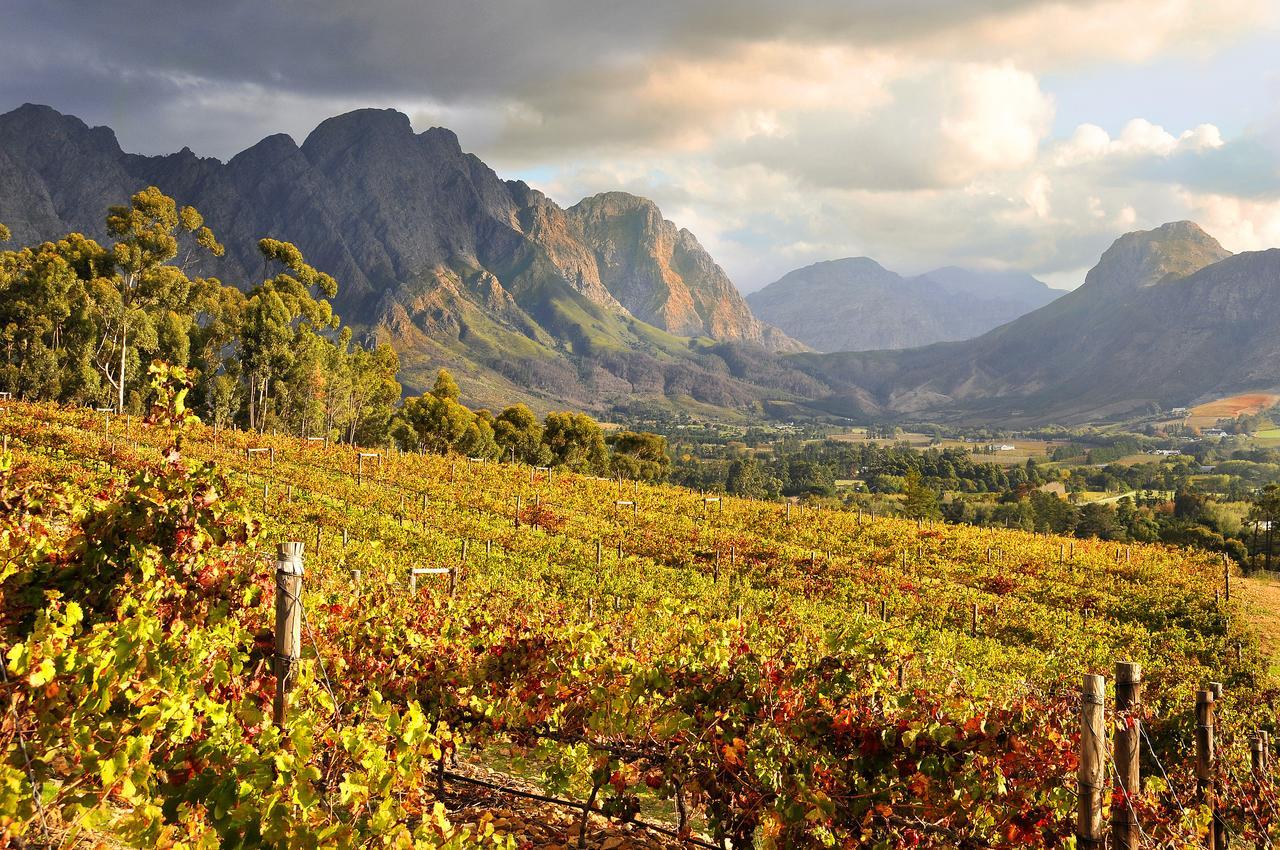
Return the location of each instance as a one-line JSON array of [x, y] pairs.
[[855, 304], [597, 304], [605, 304], [1167, 317]]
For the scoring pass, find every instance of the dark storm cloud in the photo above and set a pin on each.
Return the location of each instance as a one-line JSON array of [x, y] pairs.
[[253, 67]]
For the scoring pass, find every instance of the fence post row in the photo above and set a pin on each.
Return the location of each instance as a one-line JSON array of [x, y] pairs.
[[1124, 823], [1204, 761], [1089, 830], [288, 625]]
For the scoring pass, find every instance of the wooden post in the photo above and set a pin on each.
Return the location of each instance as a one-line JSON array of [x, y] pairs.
[[884, 610], [288, 625], [973, 625], [517, 510], [1124, 824], [1089, 830], [1205, 757]]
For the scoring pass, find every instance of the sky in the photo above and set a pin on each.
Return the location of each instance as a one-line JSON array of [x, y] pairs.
[[1013, 134]]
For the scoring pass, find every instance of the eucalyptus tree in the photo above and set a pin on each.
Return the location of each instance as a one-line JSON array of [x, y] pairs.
[[142, 297]]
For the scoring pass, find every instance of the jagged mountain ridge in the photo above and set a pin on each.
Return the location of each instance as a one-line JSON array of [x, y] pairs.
[[855, 304], [1167, 316], [432, 249]]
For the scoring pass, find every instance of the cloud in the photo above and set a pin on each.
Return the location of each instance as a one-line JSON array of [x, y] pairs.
[[939, 127], [780, 132]]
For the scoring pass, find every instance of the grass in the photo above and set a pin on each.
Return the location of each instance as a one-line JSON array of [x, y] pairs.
[[1261, 593]]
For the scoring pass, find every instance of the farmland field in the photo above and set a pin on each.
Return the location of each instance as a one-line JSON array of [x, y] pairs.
[[1207, 414], [773, 676]]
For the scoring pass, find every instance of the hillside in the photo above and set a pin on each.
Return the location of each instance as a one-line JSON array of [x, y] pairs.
[[723, 669], [434, 252], [856, 304], [1166, 317]]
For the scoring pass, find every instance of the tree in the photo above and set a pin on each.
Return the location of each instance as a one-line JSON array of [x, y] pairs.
[[919, 500], [142, 282], [639, 455], [1097, 520], [576, 441], [440, 424], [46, 319], [280, 312], [519, 435], [745, 478]]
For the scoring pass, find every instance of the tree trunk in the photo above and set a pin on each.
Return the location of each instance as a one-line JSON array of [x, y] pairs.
[[253, 398], [1269, 545], [124, 350]]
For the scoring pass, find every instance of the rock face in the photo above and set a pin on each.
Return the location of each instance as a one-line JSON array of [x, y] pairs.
[[856, 304], [431, 249], [1166, 317], [660, 274]]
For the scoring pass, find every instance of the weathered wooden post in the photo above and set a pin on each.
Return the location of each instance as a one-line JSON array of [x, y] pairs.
[[884, 610], [973, 624], [1089, 829], [288, 625], [1124, 823], [1204, 762], [517, 510], [599, 553]]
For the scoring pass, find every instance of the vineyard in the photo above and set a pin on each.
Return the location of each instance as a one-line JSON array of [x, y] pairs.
[[667, 668]]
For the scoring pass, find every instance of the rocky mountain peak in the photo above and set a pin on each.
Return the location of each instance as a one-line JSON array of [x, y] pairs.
[[1147, 257]]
